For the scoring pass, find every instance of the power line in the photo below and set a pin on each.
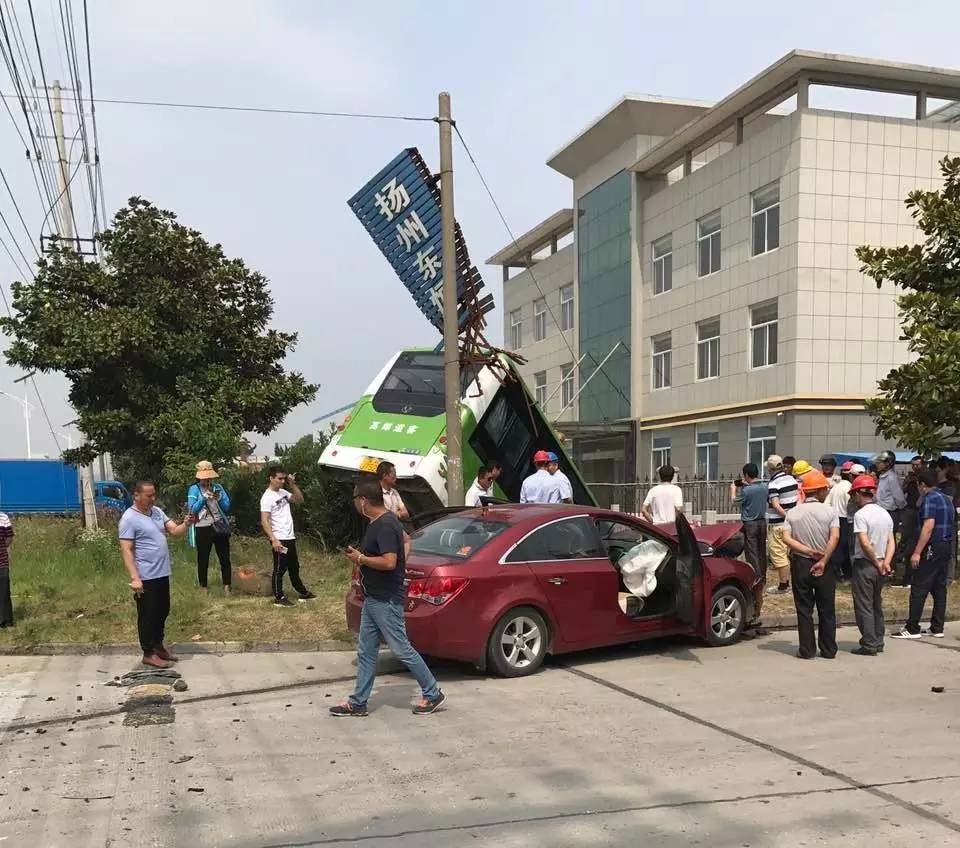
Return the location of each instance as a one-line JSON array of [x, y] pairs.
[[93, 114], [529, 269], [66, 185]]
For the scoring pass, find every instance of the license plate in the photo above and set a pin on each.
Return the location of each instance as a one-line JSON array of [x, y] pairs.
[[370, 464]]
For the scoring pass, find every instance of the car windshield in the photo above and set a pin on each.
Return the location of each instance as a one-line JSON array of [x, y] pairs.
[[458, 536]]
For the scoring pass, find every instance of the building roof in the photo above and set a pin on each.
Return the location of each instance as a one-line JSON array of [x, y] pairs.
[[517, 253], [632, 114], [777, 80]]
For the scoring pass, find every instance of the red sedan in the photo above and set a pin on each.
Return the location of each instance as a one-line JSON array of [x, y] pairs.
[[502, 586]]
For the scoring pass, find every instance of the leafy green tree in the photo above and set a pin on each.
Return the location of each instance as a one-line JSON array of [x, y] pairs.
[[919, 402], [166, 345]]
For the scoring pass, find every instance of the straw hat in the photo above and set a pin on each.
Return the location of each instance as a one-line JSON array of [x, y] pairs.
[[205, 471]]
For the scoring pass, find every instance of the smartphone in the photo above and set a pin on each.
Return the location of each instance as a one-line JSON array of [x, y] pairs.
[[283, 549]]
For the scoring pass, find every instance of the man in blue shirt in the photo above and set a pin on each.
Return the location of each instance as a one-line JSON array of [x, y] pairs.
[[541, 487], [931, 558], [750, 494], [143, 543]]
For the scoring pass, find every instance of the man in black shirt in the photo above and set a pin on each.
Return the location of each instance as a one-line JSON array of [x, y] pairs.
[[382, 562]]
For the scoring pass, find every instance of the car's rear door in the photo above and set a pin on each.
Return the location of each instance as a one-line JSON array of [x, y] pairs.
[[688, 584], [575, 576]]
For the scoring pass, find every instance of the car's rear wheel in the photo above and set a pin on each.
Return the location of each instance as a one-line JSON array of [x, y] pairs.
[[518, 644], [728, 616]]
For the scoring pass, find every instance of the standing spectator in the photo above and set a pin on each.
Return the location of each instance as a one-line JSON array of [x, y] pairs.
[[566, 489], [909, 523], [750, 495], [930, 559], [812, 531], [872, 562], [210, 503], [788, 463], [953, 475], [387, 475], [665, 500], [496, 469], [839, 499], [828, 465], [143, 544], [889, 494], [800, 468], [782, 496], [6, 602], [482, 487], [276, 519], [382, 562], [540, 487]]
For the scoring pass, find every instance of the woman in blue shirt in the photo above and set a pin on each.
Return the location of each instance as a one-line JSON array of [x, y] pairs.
[[210, 503]]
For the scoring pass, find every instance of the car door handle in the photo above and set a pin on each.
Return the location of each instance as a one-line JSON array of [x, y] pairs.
[[557, 581]]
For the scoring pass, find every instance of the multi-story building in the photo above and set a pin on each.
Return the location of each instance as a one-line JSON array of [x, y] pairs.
[[715, 272]]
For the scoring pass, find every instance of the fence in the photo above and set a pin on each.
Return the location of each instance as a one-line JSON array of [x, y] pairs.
[[700, 496]]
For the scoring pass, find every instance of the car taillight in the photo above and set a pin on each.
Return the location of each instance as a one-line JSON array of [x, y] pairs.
[[436, 590]]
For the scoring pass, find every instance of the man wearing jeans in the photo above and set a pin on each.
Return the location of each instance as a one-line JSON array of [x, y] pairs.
[[930, 559], [382, 563]]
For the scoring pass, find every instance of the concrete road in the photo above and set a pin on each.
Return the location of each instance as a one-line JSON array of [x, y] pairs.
[[668, 744]]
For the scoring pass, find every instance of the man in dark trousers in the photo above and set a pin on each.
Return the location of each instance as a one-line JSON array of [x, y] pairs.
[[143, 544], [750, 495], [382, 562], [6, 539], [874, 551], [276, 519], [930, 559], [812, 531]]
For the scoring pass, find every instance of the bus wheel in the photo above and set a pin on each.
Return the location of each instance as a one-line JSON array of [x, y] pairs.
[[518, 644]]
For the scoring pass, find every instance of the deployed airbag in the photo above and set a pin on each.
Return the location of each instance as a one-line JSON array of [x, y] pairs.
[[639, 565]]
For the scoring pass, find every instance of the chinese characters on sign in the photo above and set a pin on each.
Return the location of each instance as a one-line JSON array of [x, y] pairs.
[[387, 427], [400, 208]]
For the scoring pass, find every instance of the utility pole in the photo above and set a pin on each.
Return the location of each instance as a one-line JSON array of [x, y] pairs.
[[451, 318], [66, 209]]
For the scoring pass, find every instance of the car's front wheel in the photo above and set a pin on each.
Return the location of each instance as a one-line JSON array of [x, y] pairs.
[[518, 644], [728, 616]]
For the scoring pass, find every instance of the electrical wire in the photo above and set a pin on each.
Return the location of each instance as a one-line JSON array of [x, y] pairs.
[[93, 113], [66, 186], [529, 269]]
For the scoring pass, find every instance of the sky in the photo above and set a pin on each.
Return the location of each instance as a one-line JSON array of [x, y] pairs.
[[524, 77]]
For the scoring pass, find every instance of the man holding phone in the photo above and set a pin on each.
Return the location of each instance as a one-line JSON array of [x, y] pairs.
[[276, 519], [143, 544]]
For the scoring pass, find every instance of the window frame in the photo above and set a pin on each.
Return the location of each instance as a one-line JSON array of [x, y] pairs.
[[765, 326], [539, 388], [710, 343], [505, 558], [763, 441], [712, 444], [539, 319], [568, 383], [714, 242], [665, 356], [664, 261], [658, 461], [765, 211], [567, 317], [516, 329]]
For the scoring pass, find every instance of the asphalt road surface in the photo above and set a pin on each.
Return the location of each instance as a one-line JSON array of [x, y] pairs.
[[667, 744]]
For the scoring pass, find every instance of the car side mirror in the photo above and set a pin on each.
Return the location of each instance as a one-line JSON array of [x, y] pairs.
[[705, 549]]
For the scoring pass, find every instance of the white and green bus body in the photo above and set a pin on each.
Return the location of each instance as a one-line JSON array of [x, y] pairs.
[[401, 419]]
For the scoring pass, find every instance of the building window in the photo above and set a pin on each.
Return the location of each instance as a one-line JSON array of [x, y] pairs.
[[708, 349], [516, 330], [660, 454], [662, 356], [539, 320], [566, 307], [663, 264], [540, 389], [766, 218], [567, 385], [708, 450], [761, 442], [708, 244], [763, 335]]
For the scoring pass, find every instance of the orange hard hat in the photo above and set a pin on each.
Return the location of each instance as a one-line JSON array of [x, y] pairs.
[[864, 481], [814, 480]]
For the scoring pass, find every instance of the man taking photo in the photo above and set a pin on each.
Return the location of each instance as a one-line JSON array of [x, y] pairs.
[[276, 519]]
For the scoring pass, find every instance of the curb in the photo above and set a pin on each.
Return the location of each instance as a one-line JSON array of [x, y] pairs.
[[69, 649]]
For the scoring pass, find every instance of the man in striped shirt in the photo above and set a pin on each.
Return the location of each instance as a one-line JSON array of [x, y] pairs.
[[6, 604], [783, 492]]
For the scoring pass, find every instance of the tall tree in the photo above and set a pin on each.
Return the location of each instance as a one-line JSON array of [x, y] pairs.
[[166, 345], [919, 402]]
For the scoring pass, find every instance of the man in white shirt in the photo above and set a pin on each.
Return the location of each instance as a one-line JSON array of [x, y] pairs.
[[566, 488], [873, 561], [664, 500], [276, 519], [540, 487], [387, 475], [482, 487]]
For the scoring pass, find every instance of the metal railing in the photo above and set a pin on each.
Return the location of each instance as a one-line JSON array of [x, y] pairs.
[[700, 496]]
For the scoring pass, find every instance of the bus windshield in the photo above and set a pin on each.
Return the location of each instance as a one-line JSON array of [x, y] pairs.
[[414, 386], [458, 536]]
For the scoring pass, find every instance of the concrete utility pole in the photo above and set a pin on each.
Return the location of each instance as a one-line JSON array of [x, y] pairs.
[[451, 322], [66, 210]]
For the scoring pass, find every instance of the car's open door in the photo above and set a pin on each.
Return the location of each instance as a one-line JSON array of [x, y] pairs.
[[688, 585]]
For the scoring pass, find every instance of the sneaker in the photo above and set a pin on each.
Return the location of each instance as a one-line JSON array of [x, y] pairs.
[[906, 634], [864, 652], [154, 661], [427, 706], [164, 654], [778, 590], [309, 596], [348, 709], [283, 602], [938, 635], [898, 585]]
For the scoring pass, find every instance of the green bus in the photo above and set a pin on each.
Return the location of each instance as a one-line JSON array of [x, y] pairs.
[[401, 419]]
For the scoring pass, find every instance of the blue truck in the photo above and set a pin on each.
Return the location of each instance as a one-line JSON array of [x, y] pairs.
[[51, 486]]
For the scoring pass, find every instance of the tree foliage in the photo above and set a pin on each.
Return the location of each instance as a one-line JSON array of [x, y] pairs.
[[919, 402], [166, 345]]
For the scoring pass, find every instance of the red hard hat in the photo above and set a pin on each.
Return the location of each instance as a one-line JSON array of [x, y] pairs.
[[541, 456], [846, 466], [864, 481]]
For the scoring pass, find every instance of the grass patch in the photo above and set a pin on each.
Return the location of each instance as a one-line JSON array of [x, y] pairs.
[[69, 586], [893, 600]]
